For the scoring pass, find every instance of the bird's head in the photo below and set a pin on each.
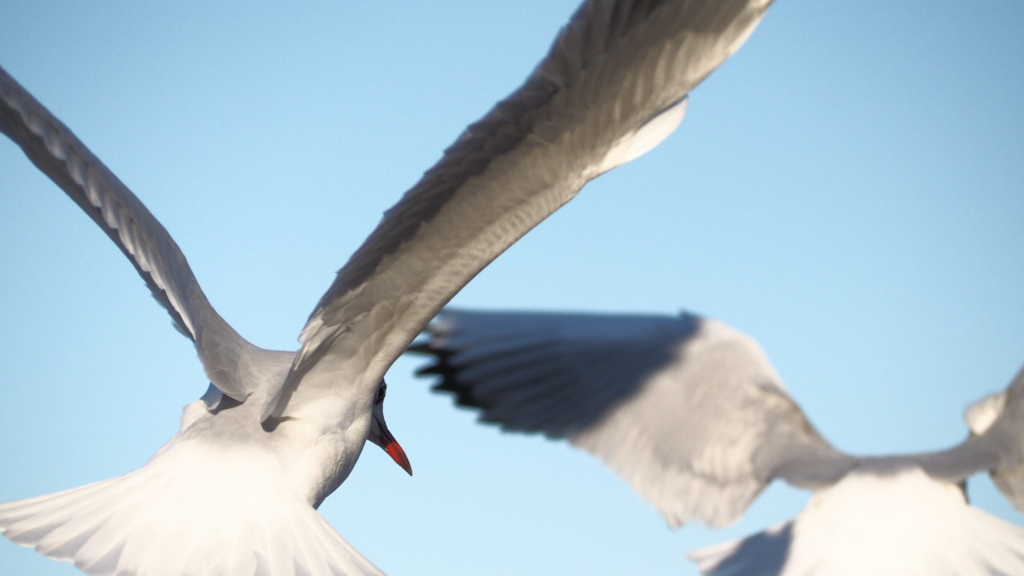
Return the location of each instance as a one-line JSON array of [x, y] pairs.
[[379, 433]]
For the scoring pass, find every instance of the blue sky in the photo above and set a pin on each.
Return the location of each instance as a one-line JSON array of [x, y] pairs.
[[848, 189]]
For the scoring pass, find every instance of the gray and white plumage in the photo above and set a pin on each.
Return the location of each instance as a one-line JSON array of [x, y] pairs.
[[693, 416], [284, 429]]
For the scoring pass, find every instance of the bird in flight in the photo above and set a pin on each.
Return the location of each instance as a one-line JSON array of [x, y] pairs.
[[236, 490], [693, 416]]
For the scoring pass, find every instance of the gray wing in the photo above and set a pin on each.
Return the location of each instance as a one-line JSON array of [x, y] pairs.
[[996, 444], [610, 88], [687, 410], [761, 554], [51, 146]]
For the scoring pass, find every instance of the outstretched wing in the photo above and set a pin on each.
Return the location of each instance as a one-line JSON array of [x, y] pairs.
[[51, 146], [611, 87], [687, 410], [996, 444]]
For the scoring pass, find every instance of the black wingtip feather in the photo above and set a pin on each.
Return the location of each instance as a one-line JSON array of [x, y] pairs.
[[450, 380]]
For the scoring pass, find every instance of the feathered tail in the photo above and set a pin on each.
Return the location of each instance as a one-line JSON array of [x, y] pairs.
[[192, 510], [878, 524]]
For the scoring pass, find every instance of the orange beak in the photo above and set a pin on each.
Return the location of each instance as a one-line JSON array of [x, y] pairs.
[[381, 436]]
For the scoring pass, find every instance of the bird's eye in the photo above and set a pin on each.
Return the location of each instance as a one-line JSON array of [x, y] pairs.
[[382, 391]]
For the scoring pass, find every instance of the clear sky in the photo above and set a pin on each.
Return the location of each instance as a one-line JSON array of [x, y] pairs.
[[848, 189]]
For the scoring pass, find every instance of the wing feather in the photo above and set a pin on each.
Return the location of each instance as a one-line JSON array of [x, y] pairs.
[[614, 67], [59, 154], [687, 410], [996, 445]]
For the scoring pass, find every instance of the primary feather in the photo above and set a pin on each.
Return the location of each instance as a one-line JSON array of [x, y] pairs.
[[692, 415]]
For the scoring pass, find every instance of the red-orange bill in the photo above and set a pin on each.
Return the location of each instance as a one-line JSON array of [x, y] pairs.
[[398, 455]]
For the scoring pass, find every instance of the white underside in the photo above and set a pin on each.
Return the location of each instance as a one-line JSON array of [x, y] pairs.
[[898, 525], [194, 509], [646, 138]]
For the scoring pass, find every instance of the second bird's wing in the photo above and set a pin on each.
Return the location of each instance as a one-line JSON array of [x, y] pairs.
[[687, 410]]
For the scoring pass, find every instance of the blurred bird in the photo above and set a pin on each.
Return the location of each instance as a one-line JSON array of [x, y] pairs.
[[235, 491], [693, 416]]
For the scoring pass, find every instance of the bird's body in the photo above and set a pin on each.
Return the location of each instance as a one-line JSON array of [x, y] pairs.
[[886, 517], [235, 491], [693, 416], [207, 487]]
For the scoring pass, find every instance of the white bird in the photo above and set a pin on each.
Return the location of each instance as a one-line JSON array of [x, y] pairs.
[[693, 416], [235, 491]]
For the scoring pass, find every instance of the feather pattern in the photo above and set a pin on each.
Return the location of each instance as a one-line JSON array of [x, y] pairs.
[[612, 69], [693, 416], [235, 491], [155, 520], [59, 154], [687, 410]]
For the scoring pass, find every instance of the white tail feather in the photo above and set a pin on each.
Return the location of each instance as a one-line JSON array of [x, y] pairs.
[[192, 510], [878, 524]]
